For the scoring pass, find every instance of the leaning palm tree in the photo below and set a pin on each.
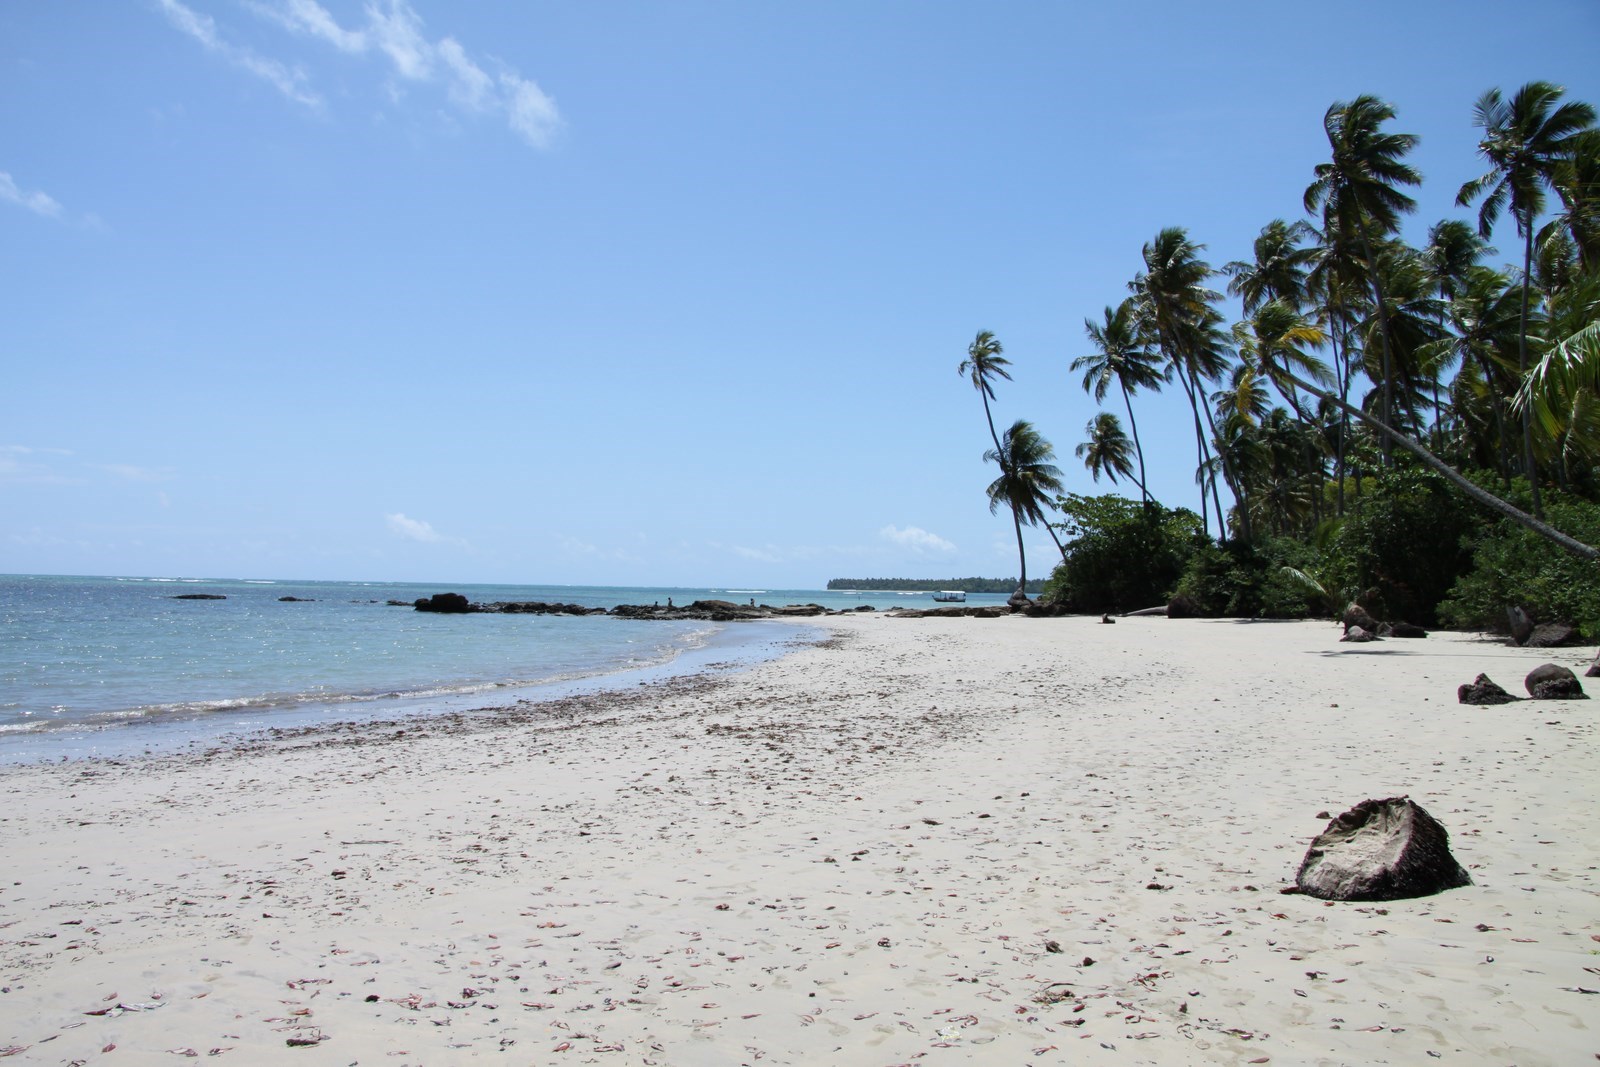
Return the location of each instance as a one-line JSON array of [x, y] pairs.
[[1120, 356], [983, 364], [1107, 449], [1525, 139], [1028, 482], [1359, 193]]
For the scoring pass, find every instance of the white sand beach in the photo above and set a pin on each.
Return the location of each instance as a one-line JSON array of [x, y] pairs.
[[924, 841]]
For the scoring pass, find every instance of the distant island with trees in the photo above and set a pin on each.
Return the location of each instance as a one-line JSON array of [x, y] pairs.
[[970, 585]]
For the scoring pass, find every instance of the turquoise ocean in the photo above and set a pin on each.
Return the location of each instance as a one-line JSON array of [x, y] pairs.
[[117, 666]]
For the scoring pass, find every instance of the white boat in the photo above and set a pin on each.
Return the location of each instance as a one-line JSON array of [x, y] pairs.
[[951, 596]]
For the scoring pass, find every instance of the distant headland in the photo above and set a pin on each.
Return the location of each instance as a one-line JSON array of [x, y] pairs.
[[970, 585]]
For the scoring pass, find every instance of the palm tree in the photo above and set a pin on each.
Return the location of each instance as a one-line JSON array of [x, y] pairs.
[[1120, 356], [1358, 190], [1106, 450], [1453, 249], [983, 364], [1338, 277], [1176, 311], [1577, 182], [1279, 270], [1028, 482], [1525, 140]]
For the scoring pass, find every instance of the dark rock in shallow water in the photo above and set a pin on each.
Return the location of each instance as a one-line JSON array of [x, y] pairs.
[[1381, 850], [1551, 681], [199, 596], [444, 603], [296, 600], [1483, 690]]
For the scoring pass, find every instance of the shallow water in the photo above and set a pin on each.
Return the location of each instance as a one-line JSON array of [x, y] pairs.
[[85, 660]]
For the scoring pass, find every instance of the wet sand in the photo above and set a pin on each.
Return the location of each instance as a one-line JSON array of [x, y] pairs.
[[921, 841]]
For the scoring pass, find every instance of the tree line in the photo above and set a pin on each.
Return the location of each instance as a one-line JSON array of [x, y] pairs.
[[1358, 358]]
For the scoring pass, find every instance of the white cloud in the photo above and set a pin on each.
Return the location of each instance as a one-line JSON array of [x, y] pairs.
[[131, 473], [395, 30], [22, 465], [36, 202], [203, 28], [916, 539], [418, 530]]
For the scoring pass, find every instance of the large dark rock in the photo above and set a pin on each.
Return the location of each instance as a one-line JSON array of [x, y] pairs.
[[1521, 624], [199, 596], [1182, 607], [1483, 690], [1355, 615], [444, 603], [1553, 635], [1406, 629], [1551, 681], [1381, 850], [1360, 634]]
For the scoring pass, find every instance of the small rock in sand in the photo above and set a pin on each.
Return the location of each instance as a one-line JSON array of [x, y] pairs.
[[1551, 681], [1381, 850]]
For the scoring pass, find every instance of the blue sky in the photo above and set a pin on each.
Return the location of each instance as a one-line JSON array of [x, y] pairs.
[[632, 293]]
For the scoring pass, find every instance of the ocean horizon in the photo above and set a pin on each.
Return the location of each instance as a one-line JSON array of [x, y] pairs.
[[121, 665]]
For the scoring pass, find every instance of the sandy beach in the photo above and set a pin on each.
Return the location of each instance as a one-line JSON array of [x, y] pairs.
[[920, 841]]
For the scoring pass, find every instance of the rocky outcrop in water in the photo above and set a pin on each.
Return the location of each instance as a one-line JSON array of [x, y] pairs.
[[699, 611]]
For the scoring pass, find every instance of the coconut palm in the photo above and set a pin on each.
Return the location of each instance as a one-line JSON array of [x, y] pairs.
[[1120, 356], [1176, 310], [1453, 249], [1107, 449], [1280, 267], [1338, 278], [1028, 482], [1577, 182], [1359, 193], [983, 364], [1525, 140]]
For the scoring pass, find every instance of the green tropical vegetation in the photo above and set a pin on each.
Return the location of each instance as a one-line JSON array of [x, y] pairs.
[[1413, 426]]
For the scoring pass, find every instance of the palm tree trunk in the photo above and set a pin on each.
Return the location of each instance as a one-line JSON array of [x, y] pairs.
[[1138, 449], [1455, 478], [1383, 330], [1228, 475], [1528, 462], [1022, 557]]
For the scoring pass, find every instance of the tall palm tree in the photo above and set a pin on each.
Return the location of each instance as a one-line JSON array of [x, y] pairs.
[[1120, 356], [1027, 483], [1453, 249], [1338, 278], [1359, 193], [1525, 139], [1279, 269], [1107, 449], [1176, 310], [1577, 183], [983, 364]]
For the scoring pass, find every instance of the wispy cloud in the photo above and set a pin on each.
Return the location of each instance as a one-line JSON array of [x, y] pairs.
[[129, 472], [36, 202], [417, 530], [917, 540], [22, 465], [394, 30], [203, 28]]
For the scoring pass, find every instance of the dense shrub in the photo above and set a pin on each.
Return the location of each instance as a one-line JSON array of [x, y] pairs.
[[1514, 566], [1121, 555], [1404, 544], [1251, 581]]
